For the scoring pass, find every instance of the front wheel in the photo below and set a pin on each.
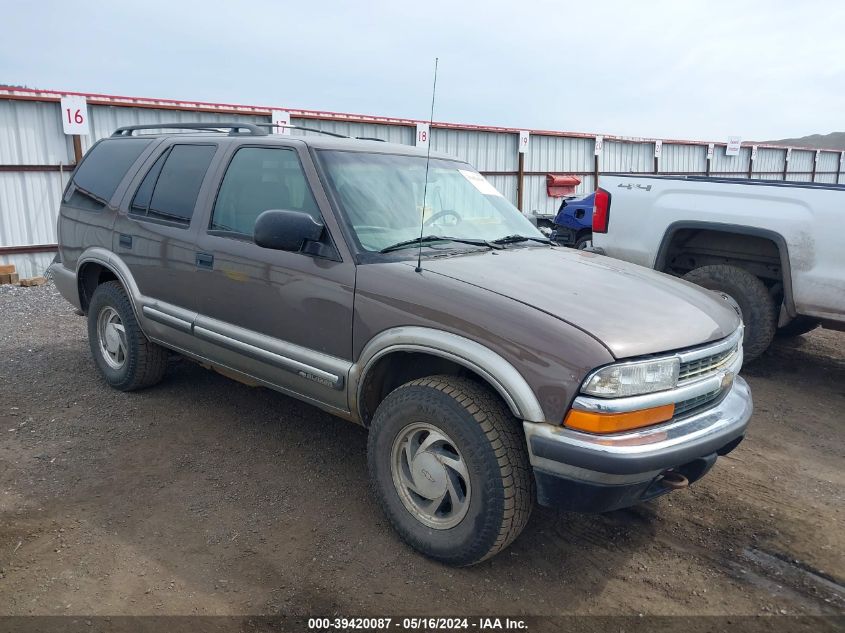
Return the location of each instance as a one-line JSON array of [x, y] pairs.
[[450, 469], [752, 296]]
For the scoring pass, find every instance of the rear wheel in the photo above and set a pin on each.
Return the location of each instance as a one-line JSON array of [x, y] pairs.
[[450, 469], [752, 296], [584, 241], [123, 354]]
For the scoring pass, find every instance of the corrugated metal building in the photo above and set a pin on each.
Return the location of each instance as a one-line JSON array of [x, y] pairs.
[[36, 156]]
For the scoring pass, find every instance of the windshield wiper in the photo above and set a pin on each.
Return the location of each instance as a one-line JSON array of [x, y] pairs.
[[513, 239], [427, 239]]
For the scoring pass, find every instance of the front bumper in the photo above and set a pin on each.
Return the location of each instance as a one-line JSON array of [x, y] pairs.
[[596, 473]]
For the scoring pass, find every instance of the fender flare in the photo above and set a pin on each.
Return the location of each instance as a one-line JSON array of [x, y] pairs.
[[107, 259], [497, 371], [739, 229]]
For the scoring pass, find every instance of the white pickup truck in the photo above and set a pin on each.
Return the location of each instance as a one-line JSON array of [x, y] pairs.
[[777, 248]]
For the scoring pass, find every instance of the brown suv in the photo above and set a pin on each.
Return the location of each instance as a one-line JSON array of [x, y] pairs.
[[500, 370]]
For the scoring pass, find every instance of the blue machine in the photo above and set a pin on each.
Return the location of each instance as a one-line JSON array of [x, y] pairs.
[[573, 224]]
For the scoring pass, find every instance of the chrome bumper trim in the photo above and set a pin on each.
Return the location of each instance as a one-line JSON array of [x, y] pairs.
[[646, 450]]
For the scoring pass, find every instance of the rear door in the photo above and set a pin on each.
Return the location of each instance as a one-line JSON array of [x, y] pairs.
[[155, 234], [284, 318]]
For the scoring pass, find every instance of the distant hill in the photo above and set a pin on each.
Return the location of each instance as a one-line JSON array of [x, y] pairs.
[[834, 140]]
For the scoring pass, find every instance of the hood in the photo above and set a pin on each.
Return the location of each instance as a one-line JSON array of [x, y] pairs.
[[630, 309]]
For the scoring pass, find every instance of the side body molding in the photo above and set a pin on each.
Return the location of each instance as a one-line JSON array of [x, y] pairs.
[[488, 364], [298, 371]]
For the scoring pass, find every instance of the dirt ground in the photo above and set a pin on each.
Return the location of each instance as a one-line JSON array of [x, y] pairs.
[[203, 496]]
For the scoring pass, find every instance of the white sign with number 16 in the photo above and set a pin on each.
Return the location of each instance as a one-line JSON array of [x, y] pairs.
[[75, 115]]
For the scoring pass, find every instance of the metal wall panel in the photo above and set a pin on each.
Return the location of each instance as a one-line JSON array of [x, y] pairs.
[[627, 157], [769, 159], [828, 161], [559, 154], [537, 202], [391, 133], [29, 264], [106, 119], [730, 166], [31, 134], [29, 205], [683, 159], [800, 166], [486, 151]]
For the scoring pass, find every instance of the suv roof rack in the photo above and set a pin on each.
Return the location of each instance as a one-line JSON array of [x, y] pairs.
[[302, 127], [235, 129], [249, 129]]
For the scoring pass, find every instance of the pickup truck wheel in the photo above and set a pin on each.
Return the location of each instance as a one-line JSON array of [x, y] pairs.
[[797, 326], [123, 354], [585, 241], [450, 469], [755, 303]]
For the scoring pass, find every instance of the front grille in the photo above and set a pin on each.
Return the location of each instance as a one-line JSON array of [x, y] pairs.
[[699, 402], [702, 366]]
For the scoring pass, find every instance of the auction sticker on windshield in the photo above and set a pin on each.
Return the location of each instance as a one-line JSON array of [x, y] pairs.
[[480, 182]]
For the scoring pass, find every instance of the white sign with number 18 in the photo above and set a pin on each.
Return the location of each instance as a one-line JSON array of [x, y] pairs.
[[75, 115], [423, 133]]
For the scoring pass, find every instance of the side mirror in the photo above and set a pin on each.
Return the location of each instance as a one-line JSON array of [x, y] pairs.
[[284, 230]]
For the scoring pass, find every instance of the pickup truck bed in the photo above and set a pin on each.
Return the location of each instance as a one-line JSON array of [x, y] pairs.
[[778, 248]]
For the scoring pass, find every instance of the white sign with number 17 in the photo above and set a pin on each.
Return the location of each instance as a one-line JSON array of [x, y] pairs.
[[75, 115]]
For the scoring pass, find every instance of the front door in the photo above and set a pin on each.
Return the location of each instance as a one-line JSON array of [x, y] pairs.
[[284, 318]]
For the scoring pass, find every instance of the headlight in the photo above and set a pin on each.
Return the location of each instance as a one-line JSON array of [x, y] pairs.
[[632, 379]]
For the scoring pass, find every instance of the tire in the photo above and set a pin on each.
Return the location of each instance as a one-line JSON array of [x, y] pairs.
[[126, 359], [752, 296], [498, 492], [797, 326], [583, 242]]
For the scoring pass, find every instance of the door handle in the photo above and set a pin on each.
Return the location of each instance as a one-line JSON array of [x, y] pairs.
[[125, 240], [205, 260]]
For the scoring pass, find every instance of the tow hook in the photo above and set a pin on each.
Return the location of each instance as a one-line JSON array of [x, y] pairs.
[[674, 480]]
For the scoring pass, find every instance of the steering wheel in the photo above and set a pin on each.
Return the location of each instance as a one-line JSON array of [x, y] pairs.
[[443, 214]]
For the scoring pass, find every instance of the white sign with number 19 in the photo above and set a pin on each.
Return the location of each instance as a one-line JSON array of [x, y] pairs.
[[524, 137], [75, 115]]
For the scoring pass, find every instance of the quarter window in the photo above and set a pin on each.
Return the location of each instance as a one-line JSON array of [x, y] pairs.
[[97, 178], [259, 179], [169, 190]]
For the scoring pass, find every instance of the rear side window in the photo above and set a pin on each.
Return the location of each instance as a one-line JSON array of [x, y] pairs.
[[97, 178], [169, 190]]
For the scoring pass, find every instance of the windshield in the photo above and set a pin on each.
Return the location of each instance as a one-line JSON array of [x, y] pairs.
[[382, 198]]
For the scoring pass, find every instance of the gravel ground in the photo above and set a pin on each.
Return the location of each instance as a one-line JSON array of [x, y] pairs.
[[204, 496]]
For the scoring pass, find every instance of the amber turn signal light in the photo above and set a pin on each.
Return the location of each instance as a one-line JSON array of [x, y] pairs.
[[592, 422]]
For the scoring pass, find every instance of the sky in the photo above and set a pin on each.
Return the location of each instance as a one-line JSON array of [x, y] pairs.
[[654, 69]]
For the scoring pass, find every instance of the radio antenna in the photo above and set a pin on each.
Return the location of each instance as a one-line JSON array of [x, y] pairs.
[[427, 161]]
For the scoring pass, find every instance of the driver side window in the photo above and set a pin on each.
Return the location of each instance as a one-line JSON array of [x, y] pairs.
[[258, 179]]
